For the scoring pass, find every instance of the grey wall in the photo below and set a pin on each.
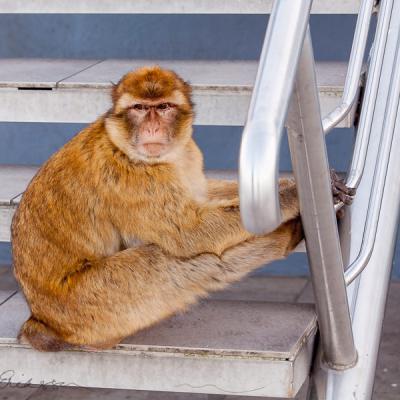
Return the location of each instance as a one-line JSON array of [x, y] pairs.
[[158, 37]]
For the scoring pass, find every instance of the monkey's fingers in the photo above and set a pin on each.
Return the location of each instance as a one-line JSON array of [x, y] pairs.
[[344, 198], [335, 191], [340, 185], [341, 193]]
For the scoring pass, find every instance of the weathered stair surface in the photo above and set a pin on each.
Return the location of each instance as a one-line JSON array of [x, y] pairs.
[[43, 90], [229, 346], [166, 7], [13, 182]]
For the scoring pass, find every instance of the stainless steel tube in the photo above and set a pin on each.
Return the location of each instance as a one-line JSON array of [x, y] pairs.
[[385, 150], [367, 294], [364, 129], [310, 164], [259, 152], [363, 139], [352, 83]]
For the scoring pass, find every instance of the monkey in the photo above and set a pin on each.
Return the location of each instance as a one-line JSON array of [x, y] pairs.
[[120, 228]]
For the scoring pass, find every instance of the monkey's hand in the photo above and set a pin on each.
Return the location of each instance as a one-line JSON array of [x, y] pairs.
[[341, 193], [289, 201]]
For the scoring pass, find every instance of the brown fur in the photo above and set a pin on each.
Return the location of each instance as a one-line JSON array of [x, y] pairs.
[[105, 244]]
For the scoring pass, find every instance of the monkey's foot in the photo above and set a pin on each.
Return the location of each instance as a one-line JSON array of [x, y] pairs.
[[297, 234]]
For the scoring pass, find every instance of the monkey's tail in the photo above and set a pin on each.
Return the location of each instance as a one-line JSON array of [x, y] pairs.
[[41, 337]]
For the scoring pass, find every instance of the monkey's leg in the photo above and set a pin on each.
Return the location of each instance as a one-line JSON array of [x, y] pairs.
[[113, 298], [219, 189], [228, 190]]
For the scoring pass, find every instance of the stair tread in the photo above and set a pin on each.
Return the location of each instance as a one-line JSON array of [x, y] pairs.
[[167, 7], [14, 180], [203, 75], [217, 75], [247, 328], [218, 346], [80, 88], [39, 73]]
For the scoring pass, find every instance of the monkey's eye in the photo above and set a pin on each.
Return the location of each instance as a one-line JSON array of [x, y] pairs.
[[138, 107], [163, 106]]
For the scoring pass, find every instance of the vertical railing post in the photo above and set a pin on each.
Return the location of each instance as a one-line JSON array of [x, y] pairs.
[[310, 165], [380, 122]]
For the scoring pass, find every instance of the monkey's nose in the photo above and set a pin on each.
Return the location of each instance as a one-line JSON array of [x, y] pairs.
[[152, 131]]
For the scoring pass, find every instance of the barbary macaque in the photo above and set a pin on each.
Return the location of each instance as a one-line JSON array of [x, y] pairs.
[[120, 228]]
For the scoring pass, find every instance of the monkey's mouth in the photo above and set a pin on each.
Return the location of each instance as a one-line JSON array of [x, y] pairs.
[[153, 149]]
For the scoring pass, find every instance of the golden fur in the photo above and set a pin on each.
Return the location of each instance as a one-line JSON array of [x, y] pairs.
[[106, 243]]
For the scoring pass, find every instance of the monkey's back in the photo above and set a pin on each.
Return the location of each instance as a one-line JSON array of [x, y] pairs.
[[60, 220]]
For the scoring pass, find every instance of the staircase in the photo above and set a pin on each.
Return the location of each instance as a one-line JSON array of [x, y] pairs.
[[78, 90], [229, 344]]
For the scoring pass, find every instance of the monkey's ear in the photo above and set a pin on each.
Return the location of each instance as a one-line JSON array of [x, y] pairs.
[[188, 88], [187, 91]]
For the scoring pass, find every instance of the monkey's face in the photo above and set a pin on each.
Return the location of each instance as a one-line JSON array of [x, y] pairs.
[[153, 125], [152, 114]]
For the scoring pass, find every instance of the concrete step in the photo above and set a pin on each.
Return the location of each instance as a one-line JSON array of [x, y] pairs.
[[166, 7], [237, 344], [43, 90], [15, 178]]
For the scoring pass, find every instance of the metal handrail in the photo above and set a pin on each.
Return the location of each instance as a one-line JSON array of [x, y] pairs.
[[259, 152], [362, 140], [368, 293], [287, 57], [363, 136], [378, 187], [351, 85]]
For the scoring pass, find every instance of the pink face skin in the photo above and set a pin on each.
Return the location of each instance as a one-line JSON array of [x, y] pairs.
[[153, 123]]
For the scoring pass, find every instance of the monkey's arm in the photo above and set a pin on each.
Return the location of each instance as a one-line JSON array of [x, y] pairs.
[[224, 189], [191, 229], [228, 190], [186, 228]]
